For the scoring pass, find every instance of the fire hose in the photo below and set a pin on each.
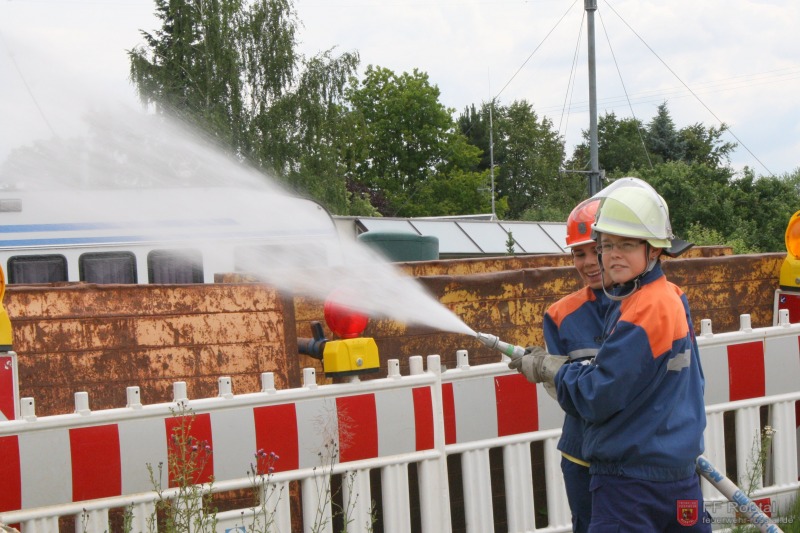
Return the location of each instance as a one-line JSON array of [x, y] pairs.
[[744, 505]]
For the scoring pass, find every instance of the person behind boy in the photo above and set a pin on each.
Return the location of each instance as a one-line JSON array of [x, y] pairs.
[[573, 327]]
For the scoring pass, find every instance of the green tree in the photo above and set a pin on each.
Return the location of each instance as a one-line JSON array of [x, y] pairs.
[[750, 213], [697, 195], [765, 205], [625, 145], [705, 145], [190, 66], [456, 192], [407, 147], [231, 66], [793, 179], [531, 154], [701, 236], [528, 155], [620, 146], [663, 141], [475, 125]]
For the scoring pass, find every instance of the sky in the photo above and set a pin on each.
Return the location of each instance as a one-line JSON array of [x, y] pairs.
[[712, 61]]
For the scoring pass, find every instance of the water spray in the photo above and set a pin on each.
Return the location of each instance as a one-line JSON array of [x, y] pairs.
[[492, 341], [745, 505]]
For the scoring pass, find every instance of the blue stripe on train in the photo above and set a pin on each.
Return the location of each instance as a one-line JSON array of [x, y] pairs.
[[82, 226]]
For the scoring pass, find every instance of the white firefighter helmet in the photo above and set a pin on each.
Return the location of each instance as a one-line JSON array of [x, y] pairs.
[[630, 207]]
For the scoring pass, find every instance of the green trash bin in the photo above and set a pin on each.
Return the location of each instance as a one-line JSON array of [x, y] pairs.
[[397, 246]]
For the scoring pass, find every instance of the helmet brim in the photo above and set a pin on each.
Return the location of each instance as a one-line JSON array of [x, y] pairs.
[[580, 243], [679, 247]]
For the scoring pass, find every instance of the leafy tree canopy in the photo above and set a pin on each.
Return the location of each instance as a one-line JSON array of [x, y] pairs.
[[385, 144], [408, 148], [528, 155], [746, 212], [231, 66], [626, 144]]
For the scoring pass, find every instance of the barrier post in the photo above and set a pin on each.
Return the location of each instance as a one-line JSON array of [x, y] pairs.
[[9, 376]]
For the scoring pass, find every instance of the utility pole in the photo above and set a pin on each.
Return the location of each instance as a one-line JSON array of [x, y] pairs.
[[594, 161]]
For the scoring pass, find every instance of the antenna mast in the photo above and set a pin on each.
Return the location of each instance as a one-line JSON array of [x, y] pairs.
[[491, 156], [594, 161]]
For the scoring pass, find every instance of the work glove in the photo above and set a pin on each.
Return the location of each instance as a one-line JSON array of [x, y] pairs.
[[537, 365]]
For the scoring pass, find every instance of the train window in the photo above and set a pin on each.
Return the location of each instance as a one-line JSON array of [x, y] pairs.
[[175, 266], [37, 269], [107, 267]]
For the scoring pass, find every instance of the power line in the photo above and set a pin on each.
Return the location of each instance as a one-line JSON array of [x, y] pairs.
[[658, 96], [638, 130], [570, 92], [27, 87], [535, 50], [707, 87], [690, 90]]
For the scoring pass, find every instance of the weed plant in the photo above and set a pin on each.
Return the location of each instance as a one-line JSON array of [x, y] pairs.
[[788, 519], [191, 509]]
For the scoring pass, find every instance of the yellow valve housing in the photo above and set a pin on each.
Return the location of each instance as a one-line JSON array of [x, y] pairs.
[[6, 338], [347, 357], [790, 269]]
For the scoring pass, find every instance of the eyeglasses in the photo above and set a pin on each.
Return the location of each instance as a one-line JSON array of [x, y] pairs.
[[624, 247]]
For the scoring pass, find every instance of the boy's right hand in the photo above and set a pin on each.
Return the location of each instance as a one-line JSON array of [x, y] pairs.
[[537, 365]]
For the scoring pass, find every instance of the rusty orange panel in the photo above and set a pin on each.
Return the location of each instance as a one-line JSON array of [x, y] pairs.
[[73, 337], [103, 338]]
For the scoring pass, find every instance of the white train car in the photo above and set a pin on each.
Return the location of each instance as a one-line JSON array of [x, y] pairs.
[[178, 235]]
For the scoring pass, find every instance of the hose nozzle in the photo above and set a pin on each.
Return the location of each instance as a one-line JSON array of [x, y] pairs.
[[492, 341]]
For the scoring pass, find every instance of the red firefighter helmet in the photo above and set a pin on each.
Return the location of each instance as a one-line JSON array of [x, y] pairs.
[[579, 223]]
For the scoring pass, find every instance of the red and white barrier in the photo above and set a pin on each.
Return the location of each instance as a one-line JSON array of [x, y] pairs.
[[749, 363], [506, 404], [85, 456], [60, 465], [788, 301], [485, 406], [9, 387]]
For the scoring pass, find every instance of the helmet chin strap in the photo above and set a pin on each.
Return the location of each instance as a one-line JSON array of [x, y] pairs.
[[651, 263], [632, 285]]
